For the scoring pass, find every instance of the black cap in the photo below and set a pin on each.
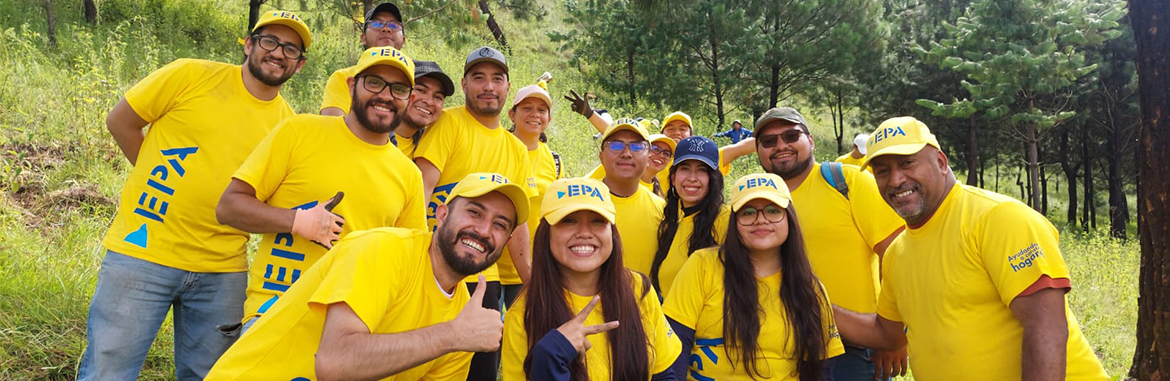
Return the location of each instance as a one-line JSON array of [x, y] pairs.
[[384, 7], [485, 54], [432, 69]]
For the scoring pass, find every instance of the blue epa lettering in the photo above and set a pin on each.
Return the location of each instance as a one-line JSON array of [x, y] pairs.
[[439, 196], [282, 272], [495, 179], [704, 346], [759, 182], [287, 15], [582, 190], [155, 206], [886, 133]]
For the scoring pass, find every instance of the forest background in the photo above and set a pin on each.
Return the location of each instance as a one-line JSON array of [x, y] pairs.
[[1035, 99]]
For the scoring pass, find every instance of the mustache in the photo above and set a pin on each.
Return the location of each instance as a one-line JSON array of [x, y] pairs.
[[487, 247], [776, 155], [907, 186]]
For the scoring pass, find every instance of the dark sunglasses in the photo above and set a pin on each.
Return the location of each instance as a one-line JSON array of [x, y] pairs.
[[789, 137]]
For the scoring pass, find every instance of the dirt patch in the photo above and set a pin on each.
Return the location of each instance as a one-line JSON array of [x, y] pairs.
[[23, 169]]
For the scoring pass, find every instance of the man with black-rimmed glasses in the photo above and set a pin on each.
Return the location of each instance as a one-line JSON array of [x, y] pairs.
[[164, 248]]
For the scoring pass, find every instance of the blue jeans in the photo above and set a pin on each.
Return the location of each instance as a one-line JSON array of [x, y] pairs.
[[853, 365], [130, 303]]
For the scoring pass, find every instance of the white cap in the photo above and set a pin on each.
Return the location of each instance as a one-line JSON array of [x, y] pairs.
[[860, 141], [532, 91]]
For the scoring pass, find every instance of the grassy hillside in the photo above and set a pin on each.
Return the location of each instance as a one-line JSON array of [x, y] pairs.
[[60, 172]]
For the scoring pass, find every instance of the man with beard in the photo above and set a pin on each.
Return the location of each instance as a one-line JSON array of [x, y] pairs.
[[385, 303], [164, 247], [382, 27], [846, 234], [469, 139], [625, 153], [977, 283], [431, 89], [283, 189]]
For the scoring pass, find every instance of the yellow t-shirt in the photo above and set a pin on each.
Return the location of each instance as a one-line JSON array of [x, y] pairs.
[[663, 349], [337, 90], [951, 282], [680, 246], [839, 234], [545, 171], [458, 145], [697, 303], [283, 344], [307, 160], [203, 124], [638, 218], [598, 173], [847, 158], [405, 145]]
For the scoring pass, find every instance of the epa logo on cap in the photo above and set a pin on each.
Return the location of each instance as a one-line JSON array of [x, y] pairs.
[[495, 179]]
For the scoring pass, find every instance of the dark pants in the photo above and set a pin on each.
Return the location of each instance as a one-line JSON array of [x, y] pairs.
[[485, 366], [854, 365]]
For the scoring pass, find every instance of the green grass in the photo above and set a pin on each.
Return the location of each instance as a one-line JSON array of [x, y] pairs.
[[60, 173]]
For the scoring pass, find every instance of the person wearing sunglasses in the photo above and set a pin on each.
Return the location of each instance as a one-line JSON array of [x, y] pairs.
[[752, 308], [566, 324], [661, 153], [382, 26], [624, 156], [292, 190], [164, 249], [846, 232], [695, 216]]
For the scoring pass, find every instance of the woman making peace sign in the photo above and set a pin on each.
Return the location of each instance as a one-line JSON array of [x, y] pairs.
[[582, 315]]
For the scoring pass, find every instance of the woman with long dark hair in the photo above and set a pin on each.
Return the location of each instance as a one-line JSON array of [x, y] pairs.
[[752, 308], [581, 299], [694, 217]]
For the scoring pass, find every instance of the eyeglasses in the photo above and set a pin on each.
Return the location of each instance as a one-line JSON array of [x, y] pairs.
[[270, 43], [375, 85], [789, 137], [656, 150], [392, 25], [749, 215], [616, 146]]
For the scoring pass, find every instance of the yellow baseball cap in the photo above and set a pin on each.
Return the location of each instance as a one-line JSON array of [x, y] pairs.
[[386, 56], [677, 115], [898, 136], [565, 196], [479, 184], [655, 138], [626, 124], [288, 19], [760, 185]]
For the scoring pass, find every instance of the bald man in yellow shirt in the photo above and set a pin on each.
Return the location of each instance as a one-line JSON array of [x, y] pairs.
[[977, 282], [846, 234]]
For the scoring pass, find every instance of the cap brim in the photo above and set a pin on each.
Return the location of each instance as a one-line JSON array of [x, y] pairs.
[[899, 149], [627, 127], [514, 192], [476, 61], [300, 28], [536, 94], [664, 139], [387, 61], [764, 122], [444, 81], [770, 196], [554, 217], [679, 159], [385, 7], [674, 118]]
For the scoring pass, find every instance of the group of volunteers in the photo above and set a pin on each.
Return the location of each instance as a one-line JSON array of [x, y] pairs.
[[402, 240]]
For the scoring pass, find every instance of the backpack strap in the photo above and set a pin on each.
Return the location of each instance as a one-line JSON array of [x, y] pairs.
[[557, 163], [831, 171]]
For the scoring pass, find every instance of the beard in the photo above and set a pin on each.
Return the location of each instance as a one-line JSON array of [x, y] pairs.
[[485, 110], [460, 265], [913, 211], [257, 58], [360, 110], [788, 171]]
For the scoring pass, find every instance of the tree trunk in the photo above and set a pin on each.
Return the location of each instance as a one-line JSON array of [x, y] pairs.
[[774, 87], [1070, 174], [254, 13], [1151, 360], [630, 77], [1043, 184], [1118, 205], [1087, 215], [716, 81], [90, 11], [491, 23], [837, 111], [973, 169], [1033, 167], [52, 21]]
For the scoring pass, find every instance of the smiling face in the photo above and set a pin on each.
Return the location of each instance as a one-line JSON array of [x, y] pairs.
[[761, 234], [378, 112], [272, 68], [530, 117], [659, 161], [385, 36], [788, 160], [677, 130], [581, 242], [472, 232], [914, 185], [691, 180], [485, 86], [426, 102], [625, 164]]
